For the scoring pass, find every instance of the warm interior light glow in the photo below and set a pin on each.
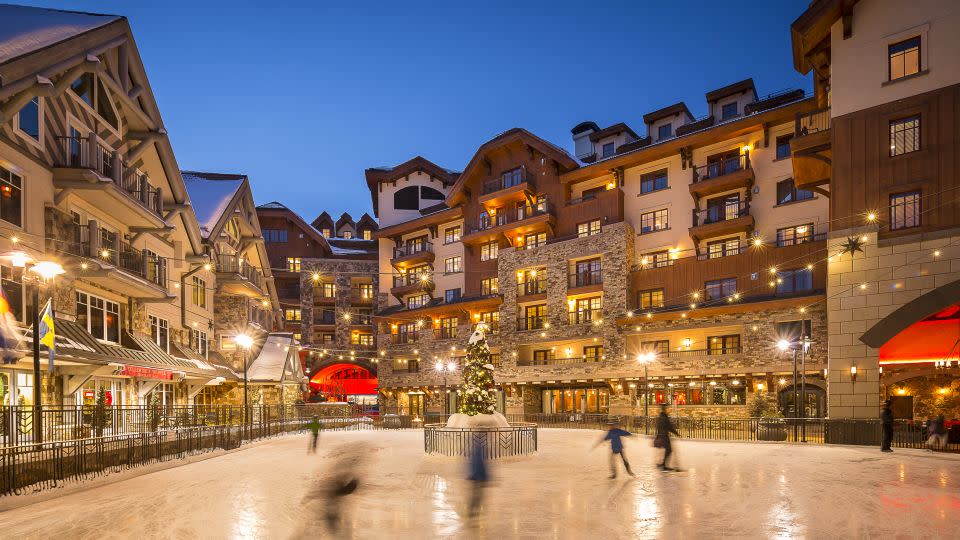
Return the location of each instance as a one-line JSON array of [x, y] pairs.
[[47, 269]]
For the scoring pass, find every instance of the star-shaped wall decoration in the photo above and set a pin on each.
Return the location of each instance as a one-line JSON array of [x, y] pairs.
[[853, 245]]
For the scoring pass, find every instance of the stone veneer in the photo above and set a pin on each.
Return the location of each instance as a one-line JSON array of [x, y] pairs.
[[341, 270], [896, 271]]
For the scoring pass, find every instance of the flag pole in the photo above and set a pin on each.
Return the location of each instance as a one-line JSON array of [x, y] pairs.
[[37, 416]]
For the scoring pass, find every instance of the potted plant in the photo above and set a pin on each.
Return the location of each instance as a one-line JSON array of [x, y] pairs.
[[770, 423]]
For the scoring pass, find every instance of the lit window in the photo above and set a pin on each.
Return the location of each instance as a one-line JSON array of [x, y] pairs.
[[367, 235], [489, 286], [198, 342], [657, 220], [651, 298], [100, 317], [453, 265], [292, 314], [904, 135], [797, 234], [589, 228], [11, 197], [293, 264], [12, 286], [451, 235], [160, 332], [723, 344], [325, 232], [657, 259], [347, 234], [904, 58], [531, 241], [199, 292], [905, 210], [489, 250], [723, 248]]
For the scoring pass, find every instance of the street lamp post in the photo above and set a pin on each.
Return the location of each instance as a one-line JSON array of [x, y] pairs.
[[445, 369], [799, 399], [45, 271], [645, 359], [245, 342]]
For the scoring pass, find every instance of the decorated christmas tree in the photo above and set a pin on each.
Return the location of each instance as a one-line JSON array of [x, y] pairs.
[[477, 395]]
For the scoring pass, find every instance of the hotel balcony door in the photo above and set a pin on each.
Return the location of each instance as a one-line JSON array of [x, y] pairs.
[[414, 405]]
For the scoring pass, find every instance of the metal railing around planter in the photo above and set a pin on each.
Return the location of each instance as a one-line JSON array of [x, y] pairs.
[[516, 440]]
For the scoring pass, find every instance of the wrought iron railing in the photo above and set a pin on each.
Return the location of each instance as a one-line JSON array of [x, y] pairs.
[[553, 361], [504, 181], [585, 278], [532, 286], [812, 122], [510, 215], [231, 264], [412, 248], [583, 316], [720, 168], [404, 338], [531, 323], [719, 213]]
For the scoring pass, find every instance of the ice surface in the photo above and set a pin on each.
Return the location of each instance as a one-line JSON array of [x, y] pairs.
[[728, 489], [24, 29]]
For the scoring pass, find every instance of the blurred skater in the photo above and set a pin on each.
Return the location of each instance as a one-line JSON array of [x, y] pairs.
[[662, 438], [886, 419], [478, 476], [345, 481], [314, 426], [938, 433], [615, 435]]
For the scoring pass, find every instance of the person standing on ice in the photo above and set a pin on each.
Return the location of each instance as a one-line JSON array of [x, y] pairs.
[[886, 419], [478, 476], [615, 435], [662, 438], [314, 426]]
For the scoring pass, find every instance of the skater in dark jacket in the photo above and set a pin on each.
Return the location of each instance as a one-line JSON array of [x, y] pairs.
[[479, 476], [886, 419], [615, 435], [662, 438]]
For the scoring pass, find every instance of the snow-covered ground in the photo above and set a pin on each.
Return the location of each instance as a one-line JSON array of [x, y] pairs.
[[268, 490]]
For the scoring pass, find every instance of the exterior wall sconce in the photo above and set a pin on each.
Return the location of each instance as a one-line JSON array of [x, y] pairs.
[[853, 373]]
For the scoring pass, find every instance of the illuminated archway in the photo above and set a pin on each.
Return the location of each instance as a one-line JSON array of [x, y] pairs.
[[343, 382]]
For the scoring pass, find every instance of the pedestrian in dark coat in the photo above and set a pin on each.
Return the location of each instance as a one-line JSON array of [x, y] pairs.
[[478, 476], [662, 438], [886, 420], [615, 435]]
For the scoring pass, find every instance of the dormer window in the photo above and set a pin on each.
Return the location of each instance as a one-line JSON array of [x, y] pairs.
[[367, 235], [325, 233], [608, 150], [348, 234], [728, 111], [664, 132]]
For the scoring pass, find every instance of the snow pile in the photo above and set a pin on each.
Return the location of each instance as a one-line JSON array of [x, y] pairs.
[[465, 421]]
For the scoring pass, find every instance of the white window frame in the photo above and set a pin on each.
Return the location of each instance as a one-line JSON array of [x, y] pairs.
[[891, 39], [41, 129], [156, 322], [23, 192], [105, 311]]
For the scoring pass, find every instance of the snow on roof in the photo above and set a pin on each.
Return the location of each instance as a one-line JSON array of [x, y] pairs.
[[209, 195], [337, 250], [273, 205], [27, 29], [279, 353]]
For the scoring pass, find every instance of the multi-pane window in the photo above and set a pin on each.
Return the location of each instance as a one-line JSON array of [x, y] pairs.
[[718, 289], [723, 344], [275, 236], [905, 210], [657, 259], [28, 119], [904, 58], [11, 197], [797, 234], [543, 357], [664, 132], [418, 301], [589, 228], [367, 235], [199, 292], [607, 150], [492, 319], [160, 332], [904, 135], [453, 264], [364, 290], [650, 298], [794, 281], [327, 338], [531, 282], [346, 234], [787, 192], [451, 295], [728, 111], [592, 353], [489, 250], [326, 289], [723, 248], [447, 327], [198, 342], [292, 314], [100, 317], [783, 146], [512, 177], [293, 264], [658, 220], [585, 310], [363, 339], [156, 267], [325, 232], [534, 240], [660, 346], [533, 317], [451, 235], [12, 285], [653, 181], [489, 286]]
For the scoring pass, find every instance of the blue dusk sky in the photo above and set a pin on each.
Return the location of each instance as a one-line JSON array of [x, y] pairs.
[[303, 96]]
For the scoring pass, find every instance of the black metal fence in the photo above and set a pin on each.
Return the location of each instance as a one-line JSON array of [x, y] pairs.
[[495, 442]]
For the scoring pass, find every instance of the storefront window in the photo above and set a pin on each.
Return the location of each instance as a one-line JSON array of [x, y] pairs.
[[576, 400], [113, 392], [164, 394]]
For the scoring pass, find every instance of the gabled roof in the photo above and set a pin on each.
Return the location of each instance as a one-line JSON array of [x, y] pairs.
[[559, 155], [272, 205], [282, 211], [321, 220], [615, 129], [28, 29], [344, 218], [367, 222], [745, 85], [676, 108], [278, 361], [379, 175], [210, 195]]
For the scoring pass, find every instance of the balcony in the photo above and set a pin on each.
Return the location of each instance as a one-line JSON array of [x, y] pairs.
[[363, 345], [116, 264], [236, 276], [556, 361], [362, 296], [411, 282], [810, 149], [412, 254], [405, 366], [584, 316], [690, 353], [724, 175], [517, 221], [588, 278], [96, 174], [325, 318], [515, 187], [323, 298], [532, 287], [722, 220], [445, 333], [404, 338], [530, 323]]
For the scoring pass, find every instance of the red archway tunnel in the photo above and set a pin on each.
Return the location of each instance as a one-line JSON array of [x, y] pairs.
[[341, 380]]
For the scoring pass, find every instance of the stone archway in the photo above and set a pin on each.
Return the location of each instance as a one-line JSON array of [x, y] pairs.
[[912, 312], [341, 380]]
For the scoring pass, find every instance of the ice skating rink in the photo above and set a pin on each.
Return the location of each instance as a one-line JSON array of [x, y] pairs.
[[273, 489]]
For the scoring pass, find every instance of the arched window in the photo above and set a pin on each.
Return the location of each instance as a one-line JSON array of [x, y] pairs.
[[407, 198], [429, 193]]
